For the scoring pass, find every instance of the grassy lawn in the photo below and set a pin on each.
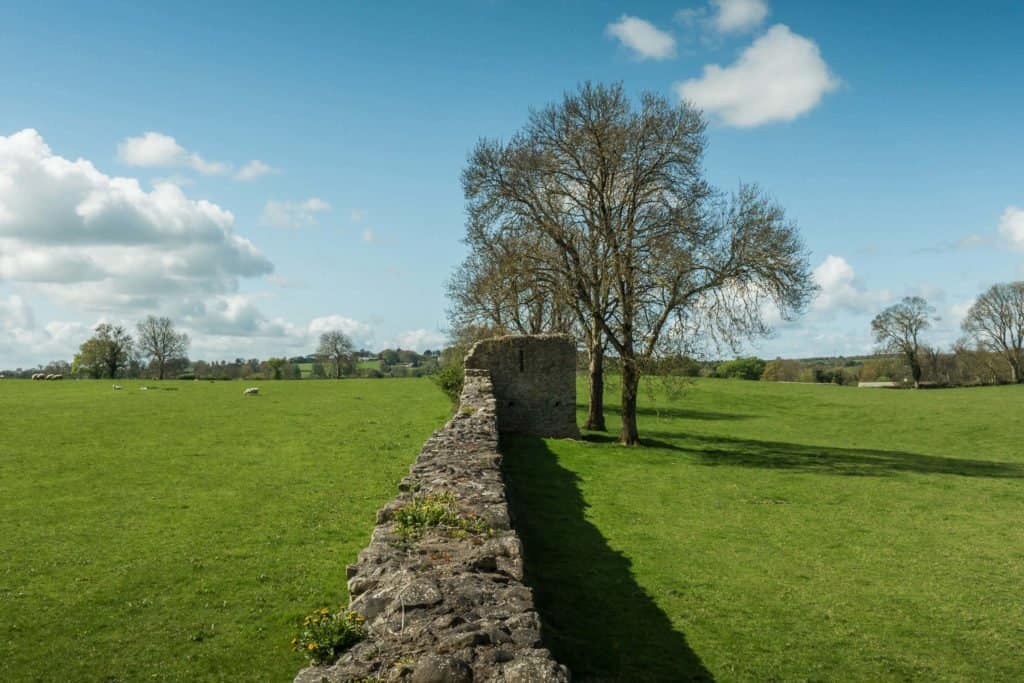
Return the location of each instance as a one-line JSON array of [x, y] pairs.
[[784, 532], [181, 533]]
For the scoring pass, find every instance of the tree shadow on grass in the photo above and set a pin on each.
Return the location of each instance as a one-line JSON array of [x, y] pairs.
[[597, 620], [727, 451], [675, 413]]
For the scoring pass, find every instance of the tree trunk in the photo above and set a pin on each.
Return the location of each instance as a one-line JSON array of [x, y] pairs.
[[1015, 370], [160, 366], [915, 371], [595, 412], [630, 385]]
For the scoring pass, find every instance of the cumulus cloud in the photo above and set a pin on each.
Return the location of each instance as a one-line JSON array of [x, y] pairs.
[[420, 340], [23, 343], [1011, 226], [232, 315], [780, 76], [157, 150], [738, 16], [293, 215], [254, 169], [361, 334], [369, 237], [151, 149], [642, 37], [16, 313], [841, 289], [101, 242]]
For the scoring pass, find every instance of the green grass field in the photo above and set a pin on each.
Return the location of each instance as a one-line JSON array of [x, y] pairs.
[[766, 532], [784, 532], [180, 534]]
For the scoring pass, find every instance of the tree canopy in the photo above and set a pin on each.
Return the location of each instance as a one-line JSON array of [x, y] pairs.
[[160, 342], [898, 328], [624, 227], [337, 351], [104, 353], [996, 322]]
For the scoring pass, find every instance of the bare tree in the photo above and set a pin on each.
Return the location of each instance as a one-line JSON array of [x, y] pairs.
[[496, 286], [898, 329], [507, 282], [337, 350], [159, 342], [996, 322], [646, 254]]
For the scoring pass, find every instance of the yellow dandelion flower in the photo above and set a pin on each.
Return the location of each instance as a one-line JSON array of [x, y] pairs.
[[311, 646]]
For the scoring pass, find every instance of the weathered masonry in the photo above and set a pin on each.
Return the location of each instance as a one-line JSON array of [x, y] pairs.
[[534, 381], [444, 607]]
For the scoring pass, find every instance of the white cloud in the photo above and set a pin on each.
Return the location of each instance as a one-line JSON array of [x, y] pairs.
[[420, 340], [157, 150], [841, 290], [25, 344], [1011, 226], [15, 313], [151, 149], [369, 236], [102, 243], [642, 37], [738, 16], [358, 215], [232, 315], [362, 334], [293, 215], [254, 169], [780, 76]]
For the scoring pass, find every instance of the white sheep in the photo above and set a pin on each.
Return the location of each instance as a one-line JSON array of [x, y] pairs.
[[118, 387], [251, 391]]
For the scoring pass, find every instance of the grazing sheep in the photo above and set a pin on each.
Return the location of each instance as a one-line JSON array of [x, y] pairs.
[[55, 377], [251, 391], [39, 375], [118, 387], [143, 388]]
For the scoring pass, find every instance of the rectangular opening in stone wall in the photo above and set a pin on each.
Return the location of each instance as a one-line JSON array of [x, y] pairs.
[[522, 357]]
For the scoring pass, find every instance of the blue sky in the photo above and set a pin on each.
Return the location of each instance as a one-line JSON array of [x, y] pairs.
[[891, 132]]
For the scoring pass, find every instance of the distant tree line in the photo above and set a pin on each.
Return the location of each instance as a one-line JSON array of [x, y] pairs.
[[159, 351], [990, 351]]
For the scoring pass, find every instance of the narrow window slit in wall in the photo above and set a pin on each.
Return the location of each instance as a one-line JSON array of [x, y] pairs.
[[521, 364]]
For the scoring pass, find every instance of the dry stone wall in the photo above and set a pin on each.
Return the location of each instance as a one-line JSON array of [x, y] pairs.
[[534, 382], [448, 607]]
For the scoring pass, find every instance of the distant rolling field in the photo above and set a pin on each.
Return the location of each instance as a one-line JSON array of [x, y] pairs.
[[783, 532], [180, 533]]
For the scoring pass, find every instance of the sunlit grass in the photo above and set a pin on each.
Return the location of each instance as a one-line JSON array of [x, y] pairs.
[[784, 532], [180, 533]]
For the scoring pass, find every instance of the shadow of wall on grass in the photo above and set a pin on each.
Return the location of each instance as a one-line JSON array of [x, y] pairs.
[[865, 462], [597, 620]]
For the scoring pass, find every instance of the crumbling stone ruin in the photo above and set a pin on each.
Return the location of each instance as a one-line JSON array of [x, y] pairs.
[[534, 382], [448, 604]]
